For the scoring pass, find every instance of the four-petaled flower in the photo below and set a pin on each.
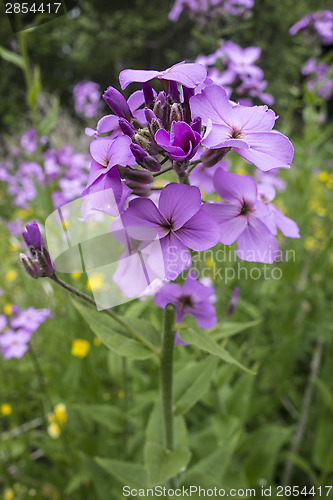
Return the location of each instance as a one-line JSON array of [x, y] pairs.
[[248, 130], [179, 221]]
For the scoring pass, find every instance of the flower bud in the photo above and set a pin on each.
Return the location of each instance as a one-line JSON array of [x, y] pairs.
[[31, 268], [132, 174], [126, 127], [154, 123], [210, 157], [138, 188], [196, 124], [38, 262], [176, 113], [117, 103]]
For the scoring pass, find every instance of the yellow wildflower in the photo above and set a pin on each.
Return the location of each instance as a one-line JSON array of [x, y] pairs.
[[8, 309], [95, 282], [76, 275], [11, 276], [210, 262], [54, 430], [323, 176], [80, 348], [8, 494], [121, 394], [97, 341], [6, 409], [60, 412]]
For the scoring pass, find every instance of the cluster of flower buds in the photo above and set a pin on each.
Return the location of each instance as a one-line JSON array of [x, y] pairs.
[[37, 262]]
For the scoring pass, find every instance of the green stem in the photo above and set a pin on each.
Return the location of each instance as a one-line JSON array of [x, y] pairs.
[[156, 174], [109, 312], [168, 340]]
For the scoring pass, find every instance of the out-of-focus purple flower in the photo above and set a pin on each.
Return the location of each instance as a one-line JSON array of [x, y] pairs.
[[242, 60], [191, 298], [320, 22], [30, 319], [233, 301], [179, 222], [14, 344], [199, 9], [247, 130], [242, 218], [29, 141], [181, 144], [276, 218], [188, 74], [87, 99]]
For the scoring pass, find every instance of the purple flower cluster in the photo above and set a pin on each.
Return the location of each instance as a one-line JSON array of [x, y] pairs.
[[241, 78], [319, 23], [199, 9], [186, 127], [64, 169], [321, 78], [87, 99], [17, 330], [191, 124]]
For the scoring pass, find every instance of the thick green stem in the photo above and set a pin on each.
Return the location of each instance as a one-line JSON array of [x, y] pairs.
[[168, 340]]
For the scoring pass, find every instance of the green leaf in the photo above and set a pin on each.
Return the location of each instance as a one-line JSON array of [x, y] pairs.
[[159, 464], [11, 57], [35, 88], [131, 474], [231, 328], [211, 469], [114, 336], [106, 415], [201, 340], [47, 125], [192, 383]]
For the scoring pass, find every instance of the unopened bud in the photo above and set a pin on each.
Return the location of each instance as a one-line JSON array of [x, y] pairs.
[[148, 94], [196, 124], [138, 188], [117, 103], [173, 91], [126, 127], [132, 174], [176, 112], [210, 157], [154, 123], [31, 267]]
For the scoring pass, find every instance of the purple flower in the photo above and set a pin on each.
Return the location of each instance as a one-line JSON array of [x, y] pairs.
[[87, 97], [233, 301], [191, 298], [188, 74], [241, 61], [276, 218], [179, 222], [33, 237], [29, 141], [242, 218], [320, 21], [106, 155], [38, 262], [30, 319], [247, 130], [14, 344], [181, 144]]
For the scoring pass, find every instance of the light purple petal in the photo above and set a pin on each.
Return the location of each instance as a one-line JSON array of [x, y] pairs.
[[199, 233], [235, 188], [211, 104], [205, 314], [268, 150], [287, 226], [143, 212], [128, 76], [107, 124], [176, 256], [231, 223], [257, 244], [168, 294], [178, 203]]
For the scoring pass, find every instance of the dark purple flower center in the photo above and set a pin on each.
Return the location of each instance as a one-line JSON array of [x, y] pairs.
[[186, 301], [236, 133], [246, 208]]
